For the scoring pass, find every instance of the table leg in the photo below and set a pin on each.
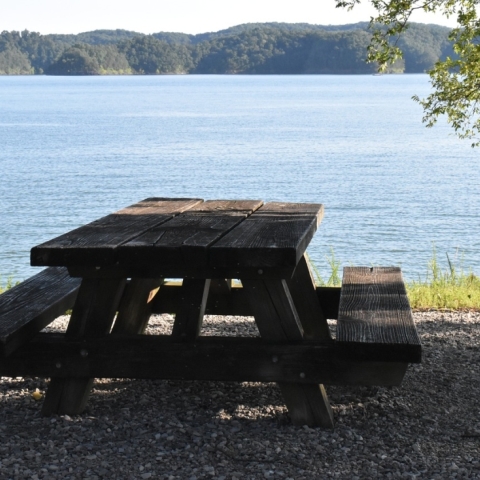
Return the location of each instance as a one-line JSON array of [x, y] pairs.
[[92, 316], [302, 289], [278, 321], [221, 285], [135, 308], [189, 317]]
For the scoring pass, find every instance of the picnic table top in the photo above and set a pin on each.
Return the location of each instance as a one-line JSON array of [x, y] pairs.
[[193, 233]]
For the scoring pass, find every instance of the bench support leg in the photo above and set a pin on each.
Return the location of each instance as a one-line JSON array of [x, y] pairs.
[[307, 404], [92, 316], [136, 306], [189, 318], [303, 291], [277, 320]]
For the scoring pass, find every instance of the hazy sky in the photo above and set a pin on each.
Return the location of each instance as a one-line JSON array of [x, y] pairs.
[[188, 16]]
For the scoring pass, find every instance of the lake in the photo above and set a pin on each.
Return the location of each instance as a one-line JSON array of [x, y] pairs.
[[77, 148]]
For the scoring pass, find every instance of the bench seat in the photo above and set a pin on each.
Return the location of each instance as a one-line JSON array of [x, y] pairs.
[[30, 306], [375, 321]]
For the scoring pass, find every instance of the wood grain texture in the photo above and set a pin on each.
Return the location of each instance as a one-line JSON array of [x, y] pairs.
[[295, 209], [136, 306], [222, 236], [95, 244], [92, 316], [275, 235], [182, 241], [95, 308], [278, 321], [273, 309], [233, 301], [226, 302], [313, 399], [30, 306], [374, 311], [304, 295], [209, 358], [231, 207]]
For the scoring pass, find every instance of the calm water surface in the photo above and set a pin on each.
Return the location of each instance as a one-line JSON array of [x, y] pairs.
[[75, 149]]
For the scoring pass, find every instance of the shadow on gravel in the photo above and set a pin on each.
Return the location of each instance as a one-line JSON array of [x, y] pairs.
[[135, 429]]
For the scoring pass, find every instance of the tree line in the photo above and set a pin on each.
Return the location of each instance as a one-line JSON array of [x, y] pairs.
[[267, 48]]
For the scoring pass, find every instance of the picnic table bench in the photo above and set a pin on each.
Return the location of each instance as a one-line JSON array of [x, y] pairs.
[[113, 273]]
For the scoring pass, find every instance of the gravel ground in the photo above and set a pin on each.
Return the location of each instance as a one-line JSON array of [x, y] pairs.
[[428, 428]]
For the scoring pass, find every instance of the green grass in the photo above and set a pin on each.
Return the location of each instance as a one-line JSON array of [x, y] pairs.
[[335, 279], [440, 289], [446, 289], [9, 284]]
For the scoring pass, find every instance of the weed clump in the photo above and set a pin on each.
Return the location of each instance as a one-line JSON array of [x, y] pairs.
[[440, 289], [447, 289]]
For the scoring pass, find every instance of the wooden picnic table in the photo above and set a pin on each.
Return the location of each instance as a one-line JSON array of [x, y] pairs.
[[120, 264]]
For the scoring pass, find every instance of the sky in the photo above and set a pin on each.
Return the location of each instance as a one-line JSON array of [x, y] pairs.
[[187, 16]]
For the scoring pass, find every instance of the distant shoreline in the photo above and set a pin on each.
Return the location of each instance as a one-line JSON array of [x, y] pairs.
[[250, 49]]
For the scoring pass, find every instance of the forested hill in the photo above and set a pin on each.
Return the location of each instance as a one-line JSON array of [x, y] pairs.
[[256, 48]]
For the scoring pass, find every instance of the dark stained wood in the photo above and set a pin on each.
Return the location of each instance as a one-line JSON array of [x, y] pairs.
[[263, 245], [315, 327], [95, 308], [189, 317], [66, 396], [209, 358], [182, 241], [233, 301], [273, 309], [295, 209], [30, 306], [275, 235], [303, 291], [156, 270], [329, 298], [229, 302], [136, 306], [375, 313], [307, 404], [95, 244], [92, 316], [220, 286], [231, 207], [278, 321]]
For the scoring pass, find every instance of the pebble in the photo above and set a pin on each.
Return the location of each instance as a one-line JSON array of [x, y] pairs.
[[426, 428]]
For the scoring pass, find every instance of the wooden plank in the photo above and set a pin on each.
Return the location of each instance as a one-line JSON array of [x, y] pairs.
[[95, 244], [233, 301], [30, 306], [303, 291], [95, 307], [275, 235], [229, 302], [136, 306], [312, 399], [329, 298], [295, 209], [222, 207], [311, 404], [276, 318], [278, 321], [209, 358], [189, 317], [220, 286], [180, 242], [375, 313], [92, 316]]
